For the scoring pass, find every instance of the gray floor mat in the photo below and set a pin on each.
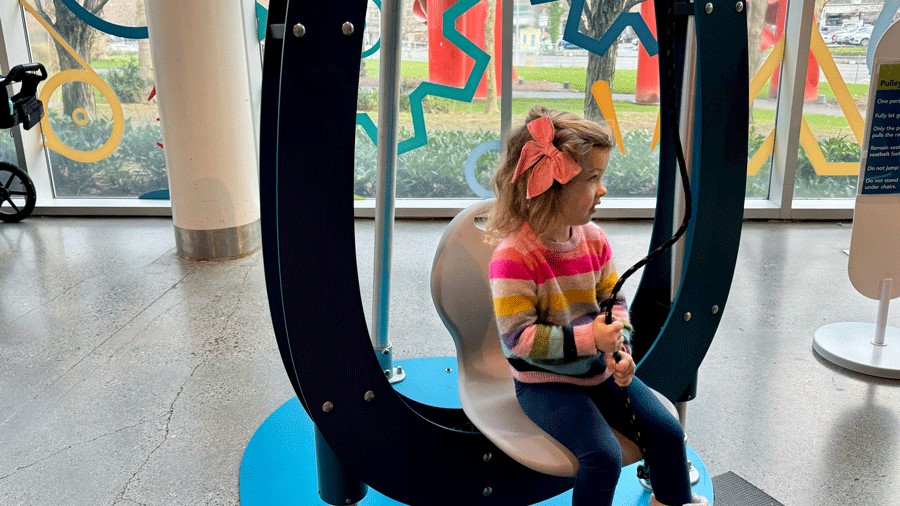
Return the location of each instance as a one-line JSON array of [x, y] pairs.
[[732, 490]]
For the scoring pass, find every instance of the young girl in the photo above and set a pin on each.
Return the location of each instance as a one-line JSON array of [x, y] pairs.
[[551, 270]]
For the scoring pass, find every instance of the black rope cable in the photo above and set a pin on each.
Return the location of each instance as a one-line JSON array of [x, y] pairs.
[[643, 470]]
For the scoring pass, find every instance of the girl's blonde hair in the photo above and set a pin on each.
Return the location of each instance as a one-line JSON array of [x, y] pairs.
[[575, 136]]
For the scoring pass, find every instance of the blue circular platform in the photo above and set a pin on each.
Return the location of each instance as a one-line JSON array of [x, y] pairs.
[[279, 464]]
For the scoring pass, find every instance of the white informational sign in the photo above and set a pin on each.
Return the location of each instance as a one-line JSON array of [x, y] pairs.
[[874, 266], [875, 242], [881, 166]]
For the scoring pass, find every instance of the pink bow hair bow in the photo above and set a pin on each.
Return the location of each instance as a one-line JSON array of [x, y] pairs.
[[548, 162]]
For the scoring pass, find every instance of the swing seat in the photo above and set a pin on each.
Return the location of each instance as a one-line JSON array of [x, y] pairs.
[[462, 296]]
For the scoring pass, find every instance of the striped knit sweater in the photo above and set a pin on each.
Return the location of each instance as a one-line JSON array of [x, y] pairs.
[[545, 299]]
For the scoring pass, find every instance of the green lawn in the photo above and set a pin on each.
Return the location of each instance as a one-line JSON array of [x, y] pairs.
[[575, 76], [847, 50], [471, 116], [113, 62], [857, 91], [623, 82]]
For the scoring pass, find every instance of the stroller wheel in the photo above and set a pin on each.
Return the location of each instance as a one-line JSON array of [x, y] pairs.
[[17, 193]]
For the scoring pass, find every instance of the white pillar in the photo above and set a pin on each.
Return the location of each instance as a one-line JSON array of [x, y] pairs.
[[204, 84]]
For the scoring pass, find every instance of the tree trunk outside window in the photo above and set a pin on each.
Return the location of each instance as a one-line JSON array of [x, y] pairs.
[[597, 17], [80, 36]]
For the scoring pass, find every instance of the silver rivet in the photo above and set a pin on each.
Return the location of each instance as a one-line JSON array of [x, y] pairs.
[[369, 395], [348, 501], [347, 28], [448, 369], [487, 491], [739, 6], [387, 372], [709, 8], [327, 407], [399, 369], [299, 30], [714, 310], [687, 316], [487, 457]]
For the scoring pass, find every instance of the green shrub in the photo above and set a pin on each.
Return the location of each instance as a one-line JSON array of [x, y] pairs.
[[7, 150], [635, 173], [437, 170], [137, 165], [130, 85], [433, 171], [758, 184], [810, 185], [367, 101]]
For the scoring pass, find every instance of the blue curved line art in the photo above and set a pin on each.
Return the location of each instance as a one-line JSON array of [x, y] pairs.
[[882, 23], [161, 194], [469, 167], [369, 52], [126, 32], [424, 89], [600, 46]]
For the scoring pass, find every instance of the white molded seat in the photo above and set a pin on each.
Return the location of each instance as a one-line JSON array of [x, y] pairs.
[[462, 296]]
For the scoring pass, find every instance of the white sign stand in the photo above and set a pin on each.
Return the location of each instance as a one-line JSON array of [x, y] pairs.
[[874, 267]]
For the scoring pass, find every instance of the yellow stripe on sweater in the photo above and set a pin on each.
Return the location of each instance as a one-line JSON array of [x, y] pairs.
[[507, 306], [606, 285], [562, 301]]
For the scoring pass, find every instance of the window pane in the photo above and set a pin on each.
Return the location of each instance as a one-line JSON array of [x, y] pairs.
[[558, 73], [103, 131], [765, 34], [462, 149], [444, 116], [836, 98]]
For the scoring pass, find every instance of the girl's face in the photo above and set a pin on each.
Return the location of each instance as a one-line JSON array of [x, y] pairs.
[[580, 195]]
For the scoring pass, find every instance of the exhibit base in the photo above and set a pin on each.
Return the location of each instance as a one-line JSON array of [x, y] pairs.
[[849, 345], [279, 463]]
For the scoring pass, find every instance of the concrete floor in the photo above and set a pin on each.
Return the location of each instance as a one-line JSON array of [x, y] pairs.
[[131, 376]]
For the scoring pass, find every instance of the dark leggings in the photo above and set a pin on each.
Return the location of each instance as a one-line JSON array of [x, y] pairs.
[[581, 419]]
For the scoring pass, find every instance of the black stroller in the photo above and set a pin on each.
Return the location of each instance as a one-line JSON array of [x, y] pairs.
[[17, 194]]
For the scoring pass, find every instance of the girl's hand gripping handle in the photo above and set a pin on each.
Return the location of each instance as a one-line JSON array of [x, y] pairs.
[[622, 367], [608, 338]]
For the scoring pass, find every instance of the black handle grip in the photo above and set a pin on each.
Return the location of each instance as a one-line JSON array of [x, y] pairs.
[[20, 72]]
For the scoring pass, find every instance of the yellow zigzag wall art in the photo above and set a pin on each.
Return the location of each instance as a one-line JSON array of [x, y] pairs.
[[603, 97], [79, 116], [823, 167]]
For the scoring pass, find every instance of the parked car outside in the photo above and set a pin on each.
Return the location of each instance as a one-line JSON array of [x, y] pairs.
[[844, 37], [861, 37], [839, 32], [564, 44]]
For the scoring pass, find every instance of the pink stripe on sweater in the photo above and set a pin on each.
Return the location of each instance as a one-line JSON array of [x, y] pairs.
[[509, 269], [549, 377], [584, 340], [576, 265]]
